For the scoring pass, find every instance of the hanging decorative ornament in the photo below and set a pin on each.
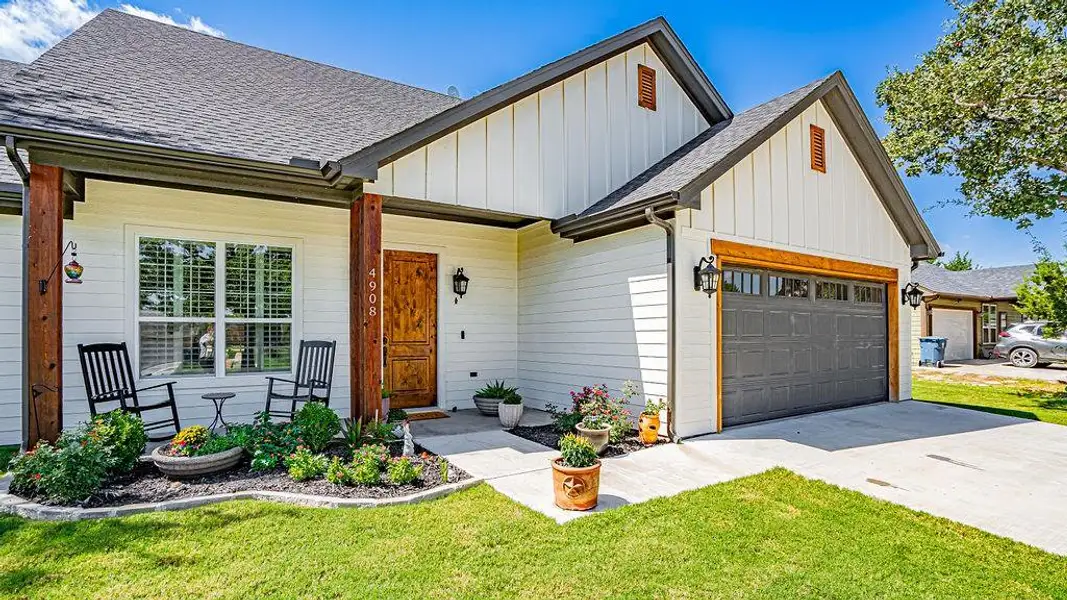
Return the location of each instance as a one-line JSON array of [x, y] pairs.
[[73, 269]]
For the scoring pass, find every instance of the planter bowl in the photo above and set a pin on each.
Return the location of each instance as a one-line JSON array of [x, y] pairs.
[[195, 466], [575, 489], [599, 438], [487, 406], [510, 415]]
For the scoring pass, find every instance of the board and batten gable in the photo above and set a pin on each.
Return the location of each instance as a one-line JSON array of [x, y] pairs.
[[591, 312], [555, 152], [773, 198], [102, 308]]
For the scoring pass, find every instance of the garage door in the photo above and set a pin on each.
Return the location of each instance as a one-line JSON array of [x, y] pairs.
[[794, 344], [958, 327]]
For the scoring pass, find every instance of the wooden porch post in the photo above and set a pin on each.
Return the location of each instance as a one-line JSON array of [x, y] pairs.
[[43, 312], [365, 319]]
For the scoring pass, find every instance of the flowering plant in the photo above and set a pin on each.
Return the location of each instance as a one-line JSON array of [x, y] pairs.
[[597, 401]]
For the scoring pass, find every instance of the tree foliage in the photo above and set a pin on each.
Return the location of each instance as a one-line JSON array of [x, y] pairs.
[[989, 104], [1043, 295], [959, 262]]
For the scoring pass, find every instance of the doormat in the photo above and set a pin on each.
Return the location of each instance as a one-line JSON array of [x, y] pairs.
[[430, 414]]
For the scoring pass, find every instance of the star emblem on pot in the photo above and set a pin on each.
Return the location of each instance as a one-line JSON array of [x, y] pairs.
[[573, 486]]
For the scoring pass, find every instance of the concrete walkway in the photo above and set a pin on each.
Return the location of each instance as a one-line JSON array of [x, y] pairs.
[[1004, 475]]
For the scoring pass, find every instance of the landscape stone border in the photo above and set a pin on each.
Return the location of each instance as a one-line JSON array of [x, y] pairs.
[[16, 505]]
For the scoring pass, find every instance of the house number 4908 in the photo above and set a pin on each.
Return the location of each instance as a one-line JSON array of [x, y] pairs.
[[372, 296]]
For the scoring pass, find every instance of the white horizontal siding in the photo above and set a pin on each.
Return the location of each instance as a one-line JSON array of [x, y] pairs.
[[102, 309], [590, 313], [555, 152]]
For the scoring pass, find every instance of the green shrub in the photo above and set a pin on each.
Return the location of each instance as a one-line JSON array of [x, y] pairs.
[[596, 422], [268, 442], [375, 454], [513, 398], [304, 465], [654, 406], [338, 473], [216, 444], [316, 425], [122, 436], [564, 420], [366, 473], [70, 471], [396, 415], [403, 472], [379, 432], [189, 440], [597, 401], [577, 452]]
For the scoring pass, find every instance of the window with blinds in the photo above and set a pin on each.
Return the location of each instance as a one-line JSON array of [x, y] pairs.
[[190, 289]]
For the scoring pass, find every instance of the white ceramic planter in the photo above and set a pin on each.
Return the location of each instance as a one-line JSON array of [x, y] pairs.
[[510, 415], [194, 466]]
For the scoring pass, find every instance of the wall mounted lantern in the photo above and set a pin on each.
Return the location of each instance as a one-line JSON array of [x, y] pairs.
[[706, 276], [72, 269], [911, 295], [459, 283]]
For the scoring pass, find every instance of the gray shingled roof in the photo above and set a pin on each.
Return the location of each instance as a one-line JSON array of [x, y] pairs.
[[8, 68], [128, 79], [7, 71], [702, 153], [995, 282]]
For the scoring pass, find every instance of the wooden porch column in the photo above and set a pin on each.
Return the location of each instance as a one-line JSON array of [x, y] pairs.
[[365, 319], [43, 313]]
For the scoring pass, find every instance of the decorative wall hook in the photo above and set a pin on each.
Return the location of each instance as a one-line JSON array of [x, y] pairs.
[[72, 269]]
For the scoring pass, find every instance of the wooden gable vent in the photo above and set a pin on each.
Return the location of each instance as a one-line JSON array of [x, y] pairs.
[[818, 148], [646, 87]]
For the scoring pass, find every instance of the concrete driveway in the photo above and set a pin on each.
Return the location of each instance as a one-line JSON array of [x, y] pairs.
[[1005, 475], [996, 367]]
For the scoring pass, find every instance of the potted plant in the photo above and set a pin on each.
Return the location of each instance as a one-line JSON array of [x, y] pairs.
[[487, 399], [510, 411], [576, 474], [596, 429], [648, 422], [196, 451]]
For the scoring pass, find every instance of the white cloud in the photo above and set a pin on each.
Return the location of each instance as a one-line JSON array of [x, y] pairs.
[[194, 22], [29, 27]]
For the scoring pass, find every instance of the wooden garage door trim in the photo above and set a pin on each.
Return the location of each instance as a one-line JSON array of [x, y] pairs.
[[747, 255]]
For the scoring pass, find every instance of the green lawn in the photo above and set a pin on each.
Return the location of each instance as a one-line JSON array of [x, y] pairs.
[[1026, 399], [774, 535]]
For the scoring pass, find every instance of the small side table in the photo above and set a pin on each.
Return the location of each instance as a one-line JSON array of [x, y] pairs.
[[219, 398]]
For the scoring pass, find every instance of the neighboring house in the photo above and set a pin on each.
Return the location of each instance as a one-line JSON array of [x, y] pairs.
[[228, 201], [969, 308]]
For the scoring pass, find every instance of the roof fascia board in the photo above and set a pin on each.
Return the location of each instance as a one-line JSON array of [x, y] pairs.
[[614, 221], [364, 163]]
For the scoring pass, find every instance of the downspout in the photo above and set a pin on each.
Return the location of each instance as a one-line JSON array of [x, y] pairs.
[[650, 214], [24, 175]]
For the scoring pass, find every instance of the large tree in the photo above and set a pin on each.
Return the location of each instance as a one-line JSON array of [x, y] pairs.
[[1043, 295], [959, 262], [989, 104]]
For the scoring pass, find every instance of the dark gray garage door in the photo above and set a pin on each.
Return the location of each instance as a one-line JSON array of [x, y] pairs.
[[794, 344]]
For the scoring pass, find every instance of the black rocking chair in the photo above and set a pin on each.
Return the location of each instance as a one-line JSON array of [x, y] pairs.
[[314, 378], [109, 378]]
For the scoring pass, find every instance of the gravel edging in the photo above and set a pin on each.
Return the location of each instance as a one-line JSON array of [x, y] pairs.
[[18, 506]]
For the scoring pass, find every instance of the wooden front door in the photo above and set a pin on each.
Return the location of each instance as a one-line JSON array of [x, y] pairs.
[[410, 328]]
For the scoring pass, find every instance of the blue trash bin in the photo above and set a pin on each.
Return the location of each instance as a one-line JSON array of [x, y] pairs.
[[932, 351]]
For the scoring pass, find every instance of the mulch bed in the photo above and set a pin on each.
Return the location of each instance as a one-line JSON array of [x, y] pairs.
[[547, 435], [146, 484]]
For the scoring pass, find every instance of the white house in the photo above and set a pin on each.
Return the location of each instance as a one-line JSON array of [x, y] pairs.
[[216, 187]]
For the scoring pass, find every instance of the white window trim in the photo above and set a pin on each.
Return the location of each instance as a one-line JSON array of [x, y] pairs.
[[994, 326], [131, 297]]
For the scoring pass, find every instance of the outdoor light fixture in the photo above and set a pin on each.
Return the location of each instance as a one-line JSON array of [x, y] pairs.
[[911, 295], [72, 269], [459, 283], [706, 276]]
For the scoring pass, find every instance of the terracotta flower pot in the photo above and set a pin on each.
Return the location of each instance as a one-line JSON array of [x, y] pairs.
[[648, 428], [598, 437], [575, 489], [510, 415]]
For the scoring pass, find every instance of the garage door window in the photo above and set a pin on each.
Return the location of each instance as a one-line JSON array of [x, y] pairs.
[[788, 287], [831, 290], [741, 282], [868, 294]]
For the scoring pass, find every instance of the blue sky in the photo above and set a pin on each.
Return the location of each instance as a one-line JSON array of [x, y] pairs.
[[750, 51]]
